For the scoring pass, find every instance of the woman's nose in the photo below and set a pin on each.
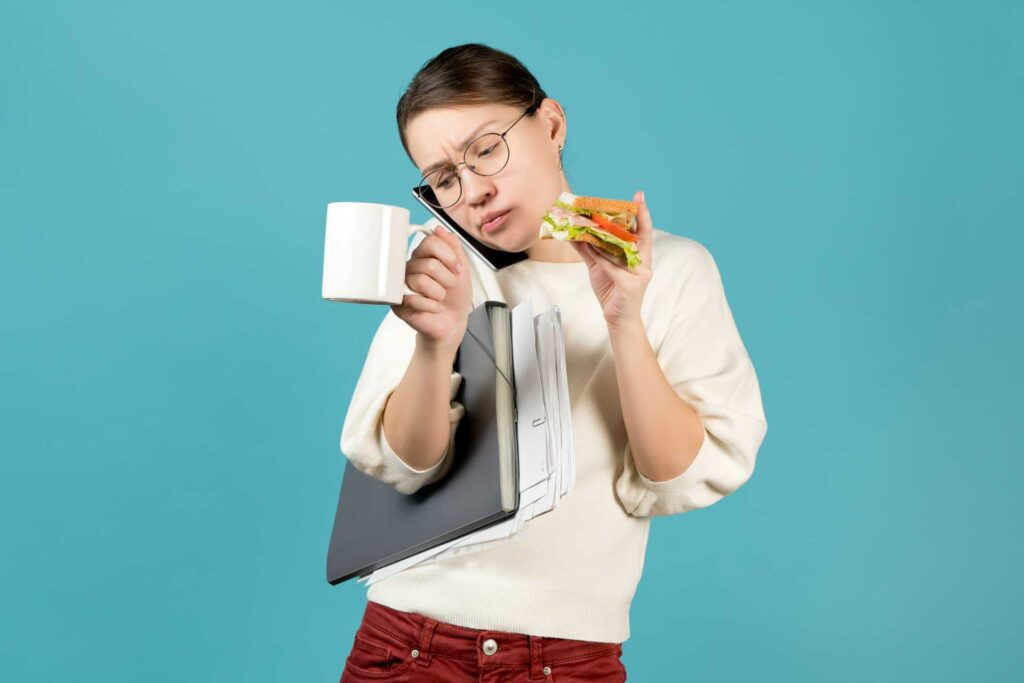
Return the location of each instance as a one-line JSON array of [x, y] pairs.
[[475, 187]]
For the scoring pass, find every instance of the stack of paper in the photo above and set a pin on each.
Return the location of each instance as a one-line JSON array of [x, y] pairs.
[[547, 466]]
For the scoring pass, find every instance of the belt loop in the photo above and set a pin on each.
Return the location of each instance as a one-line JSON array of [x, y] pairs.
[[536, 657], [423, 644]]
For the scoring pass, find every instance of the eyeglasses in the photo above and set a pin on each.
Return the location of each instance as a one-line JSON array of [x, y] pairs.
[[486, 155]]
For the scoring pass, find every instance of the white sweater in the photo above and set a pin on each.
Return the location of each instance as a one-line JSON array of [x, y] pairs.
[[574, 571]]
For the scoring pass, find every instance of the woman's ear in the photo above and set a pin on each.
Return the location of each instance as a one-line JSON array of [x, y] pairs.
[[553, 116]]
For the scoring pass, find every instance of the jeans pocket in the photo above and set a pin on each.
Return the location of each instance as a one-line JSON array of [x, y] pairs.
[[376, 656]]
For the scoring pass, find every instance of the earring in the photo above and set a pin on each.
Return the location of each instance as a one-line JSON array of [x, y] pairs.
[[559, 157]]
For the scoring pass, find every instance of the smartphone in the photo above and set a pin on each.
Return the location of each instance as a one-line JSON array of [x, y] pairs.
[[495, 258]]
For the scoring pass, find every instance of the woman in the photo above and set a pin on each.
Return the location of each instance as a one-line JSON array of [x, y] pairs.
[[666, 406]]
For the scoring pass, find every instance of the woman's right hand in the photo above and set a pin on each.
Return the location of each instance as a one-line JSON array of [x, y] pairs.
[[438, 271]]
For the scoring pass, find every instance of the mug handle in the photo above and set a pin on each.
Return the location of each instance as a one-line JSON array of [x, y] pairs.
[[413, 228]]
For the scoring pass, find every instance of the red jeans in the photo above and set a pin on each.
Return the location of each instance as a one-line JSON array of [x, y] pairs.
[[405, 646]]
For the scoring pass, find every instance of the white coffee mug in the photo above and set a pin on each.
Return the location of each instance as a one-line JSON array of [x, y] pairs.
[[365, 251]]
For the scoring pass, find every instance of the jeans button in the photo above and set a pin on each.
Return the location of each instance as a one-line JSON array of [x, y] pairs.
[[490, 647]]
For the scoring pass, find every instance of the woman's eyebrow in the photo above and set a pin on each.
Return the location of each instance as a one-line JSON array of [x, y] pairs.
[[462, 146]]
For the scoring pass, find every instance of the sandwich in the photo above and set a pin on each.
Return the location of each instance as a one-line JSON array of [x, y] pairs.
[[608, 224]]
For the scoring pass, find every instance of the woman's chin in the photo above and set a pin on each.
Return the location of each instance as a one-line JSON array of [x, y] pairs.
[[510, 240]]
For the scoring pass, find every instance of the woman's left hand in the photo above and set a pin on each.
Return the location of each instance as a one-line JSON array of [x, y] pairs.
[[619, 290]]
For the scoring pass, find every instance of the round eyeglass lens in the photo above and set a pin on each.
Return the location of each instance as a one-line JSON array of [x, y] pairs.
[[445, 185], [487, 155]]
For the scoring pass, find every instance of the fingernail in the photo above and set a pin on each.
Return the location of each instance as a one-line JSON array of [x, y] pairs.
[[642, 197]]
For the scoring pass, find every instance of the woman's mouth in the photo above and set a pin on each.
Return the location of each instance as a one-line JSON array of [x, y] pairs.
[[493, 225]]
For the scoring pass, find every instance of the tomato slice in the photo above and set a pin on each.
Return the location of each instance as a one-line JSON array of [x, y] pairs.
[[613, 228]]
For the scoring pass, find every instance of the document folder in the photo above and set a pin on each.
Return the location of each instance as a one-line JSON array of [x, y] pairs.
[[375, 525]]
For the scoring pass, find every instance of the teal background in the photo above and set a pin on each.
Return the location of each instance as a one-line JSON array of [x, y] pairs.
[[174, 386]]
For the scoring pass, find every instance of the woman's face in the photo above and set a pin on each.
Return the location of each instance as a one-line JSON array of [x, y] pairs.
[[526, 187]]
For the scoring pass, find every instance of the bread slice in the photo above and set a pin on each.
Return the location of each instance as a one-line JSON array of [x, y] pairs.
[[606, 205], [611, 249]]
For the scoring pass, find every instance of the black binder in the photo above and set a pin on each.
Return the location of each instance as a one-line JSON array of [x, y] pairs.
[[375, 525]]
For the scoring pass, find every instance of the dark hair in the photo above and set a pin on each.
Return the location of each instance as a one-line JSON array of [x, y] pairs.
[[466, 74]]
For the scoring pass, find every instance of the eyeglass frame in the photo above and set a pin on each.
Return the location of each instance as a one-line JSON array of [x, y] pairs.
[[532, 108]]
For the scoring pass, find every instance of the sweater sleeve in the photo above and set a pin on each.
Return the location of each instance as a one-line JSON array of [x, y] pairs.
[[362, 436], [707, 365]]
